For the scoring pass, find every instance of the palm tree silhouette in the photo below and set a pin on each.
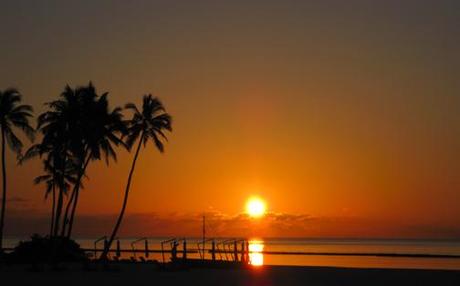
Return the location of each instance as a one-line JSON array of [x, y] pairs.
[[49, 180], [101, 133], [82, 100], [57, 125], [77, 128], [148, 124], [12, 114], [52, 178]]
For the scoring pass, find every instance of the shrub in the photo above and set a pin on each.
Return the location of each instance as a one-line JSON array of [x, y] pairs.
[[49, 250]]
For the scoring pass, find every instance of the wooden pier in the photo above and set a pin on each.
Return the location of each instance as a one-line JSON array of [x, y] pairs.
[[230, 252], [175, 250]]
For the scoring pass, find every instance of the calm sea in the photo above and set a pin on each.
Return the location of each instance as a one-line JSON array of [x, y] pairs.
[[437, 247]]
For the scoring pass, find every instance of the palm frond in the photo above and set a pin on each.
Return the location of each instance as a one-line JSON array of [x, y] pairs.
[[13, 141]]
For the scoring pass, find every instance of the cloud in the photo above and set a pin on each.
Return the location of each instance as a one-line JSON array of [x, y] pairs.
[[18, 200], [219, 224]]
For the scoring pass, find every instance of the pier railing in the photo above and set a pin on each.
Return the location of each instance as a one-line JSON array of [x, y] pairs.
[[230, 250]]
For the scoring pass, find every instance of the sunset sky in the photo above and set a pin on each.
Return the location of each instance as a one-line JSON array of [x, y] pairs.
[[344, 116]]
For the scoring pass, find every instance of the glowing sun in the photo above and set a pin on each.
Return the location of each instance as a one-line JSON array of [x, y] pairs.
[[255, 207]]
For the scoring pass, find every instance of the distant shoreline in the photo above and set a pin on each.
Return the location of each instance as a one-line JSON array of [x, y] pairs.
[[336, 253]]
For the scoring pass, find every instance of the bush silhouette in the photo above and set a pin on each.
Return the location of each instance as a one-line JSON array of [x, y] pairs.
[[47, 250]]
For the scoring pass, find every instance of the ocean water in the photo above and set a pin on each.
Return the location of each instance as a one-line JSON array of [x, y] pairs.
[[259, 248]]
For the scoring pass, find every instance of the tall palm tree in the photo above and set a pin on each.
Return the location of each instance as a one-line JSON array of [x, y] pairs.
[[77, 128], [146, 125], [57, 125], [79, 104], [102, 129], [12, 114]]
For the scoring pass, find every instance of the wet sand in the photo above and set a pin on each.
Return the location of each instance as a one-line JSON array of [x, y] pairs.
[[142, 274]]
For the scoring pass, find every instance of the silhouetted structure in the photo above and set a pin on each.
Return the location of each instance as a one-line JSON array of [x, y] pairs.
[[78, 127], [12, 114], [148, 124]]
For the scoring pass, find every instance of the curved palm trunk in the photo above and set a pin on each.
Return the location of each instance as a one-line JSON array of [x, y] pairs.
[[125, 201], [59, 203], [2, 216], [53, 210], [66, 212], [70, 203], [58, 212], [77, 192]]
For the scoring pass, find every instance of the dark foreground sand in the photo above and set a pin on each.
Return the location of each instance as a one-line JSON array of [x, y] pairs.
[[138, 274]]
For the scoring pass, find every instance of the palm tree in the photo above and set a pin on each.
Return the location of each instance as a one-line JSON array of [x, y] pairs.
[[72, 109], [148, 124], [77, 128], [57, 125], [12, 114], [52, 178], [49, 179], [101, 131]]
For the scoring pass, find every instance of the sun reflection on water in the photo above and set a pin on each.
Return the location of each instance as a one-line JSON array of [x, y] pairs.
[[256, 257]]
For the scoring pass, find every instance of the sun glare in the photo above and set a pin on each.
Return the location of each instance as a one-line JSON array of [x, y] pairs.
[[255, 207], [256, 257]]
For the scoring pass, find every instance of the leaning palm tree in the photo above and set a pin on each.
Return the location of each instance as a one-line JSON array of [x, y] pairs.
[[146, 125], [12, 114]]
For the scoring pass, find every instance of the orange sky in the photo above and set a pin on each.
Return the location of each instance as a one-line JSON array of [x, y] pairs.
[[343, 116]]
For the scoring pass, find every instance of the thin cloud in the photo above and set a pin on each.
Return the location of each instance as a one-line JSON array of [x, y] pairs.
[[219, 224], [15, 200]]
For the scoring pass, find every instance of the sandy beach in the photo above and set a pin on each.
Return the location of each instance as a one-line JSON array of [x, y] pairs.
[[143, 274]]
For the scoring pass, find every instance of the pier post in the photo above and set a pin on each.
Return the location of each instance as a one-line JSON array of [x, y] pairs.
[[243, 254], [247, 251], [184, 255], [146, 248], [105, 244], [174, 251], [235, 251], [118, 248], [213, 250]]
